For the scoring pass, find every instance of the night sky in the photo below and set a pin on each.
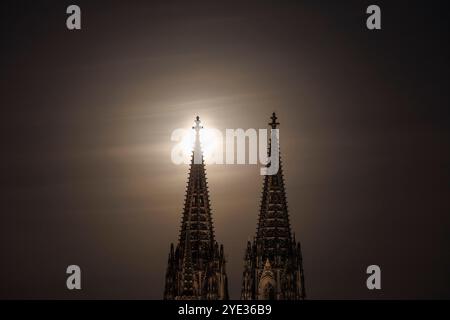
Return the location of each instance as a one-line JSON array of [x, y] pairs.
[[86, 120]]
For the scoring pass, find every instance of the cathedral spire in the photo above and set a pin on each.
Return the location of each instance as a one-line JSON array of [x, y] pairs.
[[274, 231], [273, 262], [198, 269], [197, 212]]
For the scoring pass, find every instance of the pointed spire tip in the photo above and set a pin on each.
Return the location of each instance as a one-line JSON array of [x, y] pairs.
[[274, 122]]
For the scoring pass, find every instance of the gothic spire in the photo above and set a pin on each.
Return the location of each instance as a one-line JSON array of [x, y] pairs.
[[197, 212], [273, 231], [197, 270], [273, 262]]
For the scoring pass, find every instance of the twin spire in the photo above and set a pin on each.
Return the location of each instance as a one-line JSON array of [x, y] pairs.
[[273, 267]]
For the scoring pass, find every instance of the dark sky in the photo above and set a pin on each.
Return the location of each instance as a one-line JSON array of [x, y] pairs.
[[86, 119]]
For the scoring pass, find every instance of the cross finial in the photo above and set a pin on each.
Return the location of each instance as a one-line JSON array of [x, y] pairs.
[[197, 126], [274, 122]]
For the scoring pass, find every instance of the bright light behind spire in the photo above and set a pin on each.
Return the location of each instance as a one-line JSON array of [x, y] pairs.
[[210, 140]]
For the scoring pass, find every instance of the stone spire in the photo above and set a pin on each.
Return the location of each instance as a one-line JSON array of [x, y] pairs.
[[197, 263], [273, 245], [274, 231], [197, 211]]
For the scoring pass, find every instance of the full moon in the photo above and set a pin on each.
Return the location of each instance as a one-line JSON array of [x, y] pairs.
[[210, 141]]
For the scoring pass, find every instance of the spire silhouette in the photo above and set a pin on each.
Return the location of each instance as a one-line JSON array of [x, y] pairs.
[[197, 270], [273, 249]]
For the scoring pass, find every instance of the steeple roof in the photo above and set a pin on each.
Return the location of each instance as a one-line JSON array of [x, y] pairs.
[[274, 231], [196, 224]]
